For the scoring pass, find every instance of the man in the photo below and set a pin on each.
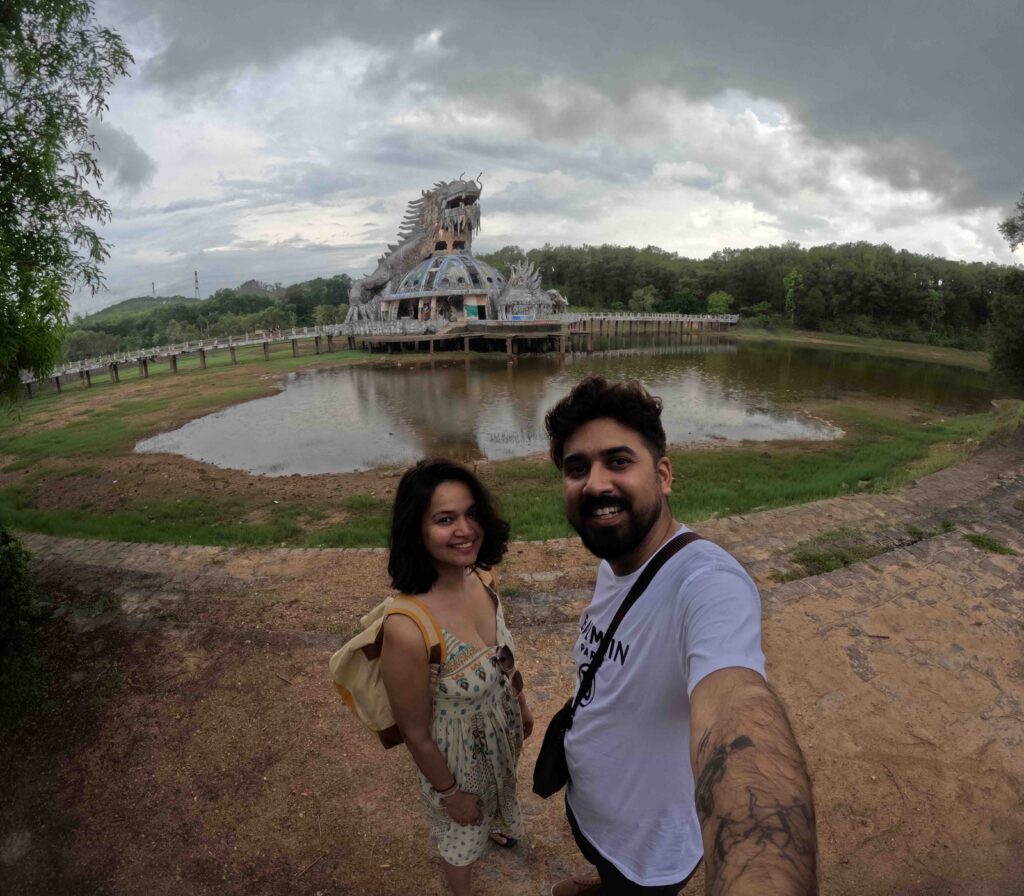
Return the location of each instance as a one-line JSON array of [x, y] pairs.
[[685, 669]]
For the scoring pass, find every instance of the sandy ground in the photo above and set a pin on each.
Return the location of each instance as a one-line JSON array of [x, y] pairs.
[[192, 742]]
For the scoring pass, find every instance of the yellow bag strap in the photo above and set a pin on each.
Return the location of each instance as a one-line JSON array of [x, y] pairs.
[[487, 577], [416, 610]]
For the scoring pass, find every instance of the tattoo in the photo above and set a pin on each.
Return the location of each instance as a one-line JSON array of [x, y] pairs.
[[761, 818], [712, 771], [773, 827]]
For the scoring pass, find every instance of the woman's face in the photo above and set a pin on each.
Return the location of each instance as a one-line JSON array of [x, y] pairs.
[[451, 533]]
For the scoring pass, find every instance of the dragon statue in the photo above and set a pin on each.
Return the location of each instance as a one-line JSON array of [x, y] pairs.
[[449, 213], [523, 295]]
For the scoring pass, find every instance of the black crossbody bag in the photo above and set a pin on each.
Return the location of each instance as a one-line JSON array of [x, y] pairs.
[[551, 773]]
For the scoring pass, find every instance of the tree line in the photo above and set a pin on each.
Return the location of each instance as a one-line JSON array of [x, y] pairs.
[[861, 289], [857, 288], [251, 307]]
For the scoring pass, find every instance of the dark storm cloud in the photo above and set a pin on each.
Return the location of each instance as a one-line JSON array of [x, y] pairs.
[[911, 164], [938, 76], [122, 161], [448, 152]]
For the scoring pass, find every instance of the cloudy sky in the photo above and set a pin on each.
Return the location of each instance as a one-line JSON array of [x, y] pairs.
[[281, 141]]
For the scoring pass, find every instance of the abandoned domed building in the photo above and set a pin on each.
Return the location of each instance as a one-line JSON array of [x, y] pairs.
[[431, 273], [449, 285]]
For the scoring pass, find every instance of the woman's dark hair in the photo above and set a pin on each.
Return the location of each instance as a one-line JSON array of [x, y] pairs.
[[593, 398], [410, 566]]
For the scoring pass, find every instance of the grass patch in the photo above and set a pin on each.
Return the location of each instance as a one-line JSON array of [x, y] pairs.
[[368, 525], [225, 397], [362, 532], [988, 543], [834, 549], [878, 453], [839, 548], [101, 433], [361, 503], [530, 498], [187, 520], [140, 406], [888, 348], [919, 534]]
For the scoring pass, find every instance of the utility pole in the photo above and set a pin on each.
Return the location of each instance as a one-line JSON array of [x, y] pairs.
[[197, 283], [153, 284]]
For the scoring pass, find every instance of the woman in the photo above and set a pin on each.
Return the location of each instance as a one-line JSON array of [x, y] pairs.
[[463, 721]]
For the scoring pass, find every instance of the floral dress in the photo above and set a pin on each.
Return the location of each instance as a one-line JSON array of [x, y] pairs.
[[478, 727]]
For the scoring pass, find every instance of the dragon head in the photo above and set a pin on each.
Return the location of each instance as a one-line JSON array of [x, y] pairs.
[[459, 202]]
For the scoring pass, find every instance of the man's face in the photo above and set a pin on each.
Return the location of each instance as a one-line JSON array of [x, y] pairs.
[[614, 489]]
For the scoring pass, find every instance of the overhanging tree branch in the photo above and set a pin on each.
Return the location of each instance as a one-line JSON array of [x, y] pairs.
[[57, 67]]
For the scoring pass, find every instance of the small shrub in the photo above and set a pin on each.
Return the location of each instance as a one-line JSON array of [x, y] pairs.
[[16, 593], [23, 668]]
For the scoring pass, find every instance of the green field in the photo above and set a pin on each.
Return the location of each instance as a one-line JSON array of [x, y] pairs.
[[886, 348], [84, 439]]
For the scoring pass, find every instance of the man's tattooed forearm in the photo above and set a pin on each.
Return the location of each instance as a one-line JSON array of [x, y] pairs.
[[712, 771], [753, 822]]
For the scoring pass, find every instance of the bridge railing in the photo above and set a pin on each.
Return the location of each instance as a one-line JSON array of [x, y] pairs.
[[651, 315], [401, 327]]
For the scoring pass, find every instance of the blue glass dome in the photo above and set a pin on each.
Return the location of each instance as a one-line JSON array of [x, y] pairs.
[[447, 275]]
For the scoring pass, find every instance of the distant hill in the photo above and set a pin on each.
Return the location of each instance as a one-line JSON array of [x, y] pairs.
[[132, 308], [157, 320]]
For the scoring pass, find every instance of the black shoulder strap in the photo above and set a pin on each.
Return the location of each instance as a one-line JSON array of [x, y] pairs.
[[667, 550]]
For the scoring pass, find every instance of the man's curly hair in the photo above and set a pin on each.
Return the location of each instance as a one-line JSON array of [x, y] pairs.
[[593, 398]]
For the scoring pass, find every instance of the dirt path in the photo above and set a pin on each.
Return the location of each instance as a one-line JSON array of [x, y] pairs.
[[194, 745]]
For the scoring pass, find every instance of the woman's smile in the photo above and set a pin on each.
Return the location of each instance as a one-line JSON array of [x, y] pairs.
[[451, 531]]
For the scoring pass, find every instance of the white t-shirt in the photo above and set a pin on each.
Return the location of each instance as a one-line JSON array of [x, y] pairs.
[[631, 785]]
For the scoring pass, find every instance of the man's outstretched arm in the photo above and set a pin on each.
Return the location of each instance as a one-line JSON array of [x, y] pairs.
[[753, 792]]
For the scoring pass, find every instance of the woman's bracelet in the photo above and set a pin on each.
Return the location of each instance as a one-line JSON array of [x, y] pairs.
[[448, 791]]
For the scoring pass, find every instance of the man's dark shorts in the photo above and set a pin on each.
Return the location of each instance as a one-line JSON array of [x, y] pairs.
[[613, 882]]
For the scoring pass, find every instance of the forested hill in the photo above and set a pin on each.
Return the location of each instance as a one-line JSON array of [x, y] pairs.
[[147, 321], [130, 308], [859, 288]]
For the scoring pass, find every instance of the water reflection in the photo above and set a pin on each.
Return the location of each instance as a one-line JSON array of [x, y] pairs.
[[360, 417]]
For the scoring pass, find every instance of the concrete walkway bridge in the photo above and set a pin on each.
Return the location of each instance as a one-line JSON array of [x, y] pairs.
[[563, 333]]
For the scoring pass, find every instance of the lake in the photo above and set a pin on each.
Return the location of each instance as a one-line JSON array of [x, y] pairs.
[[359, 417]]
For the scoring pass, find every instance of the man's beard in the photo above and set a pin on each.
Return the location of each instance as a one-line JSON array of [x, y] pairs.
[[611, 542]]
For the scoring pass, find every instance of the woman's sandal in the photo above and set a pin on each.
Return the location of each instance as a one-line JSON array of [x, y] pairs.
[[499, 839]]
